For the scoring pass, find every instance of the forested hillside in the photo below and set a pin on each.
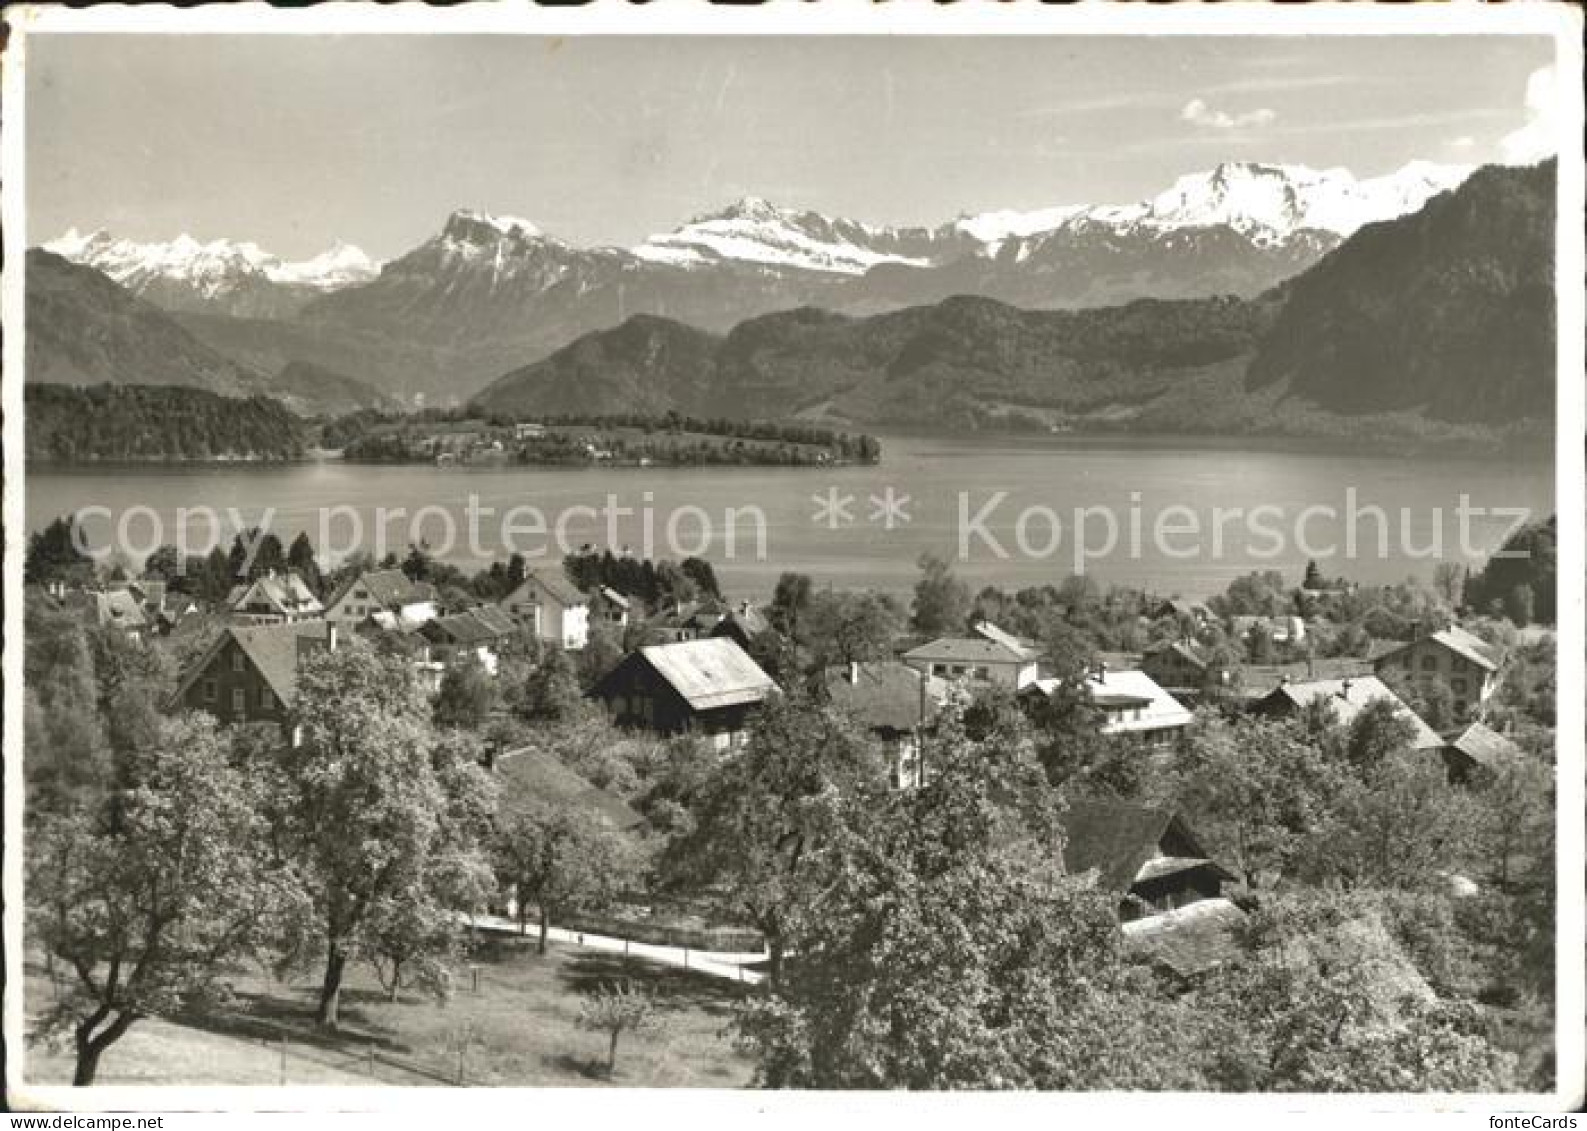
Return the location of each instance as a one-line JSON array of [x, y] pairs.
[[153, 422]]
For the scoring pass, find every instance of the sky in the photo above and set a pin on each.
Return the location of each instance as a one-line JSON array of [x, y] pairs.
[[295, 142]]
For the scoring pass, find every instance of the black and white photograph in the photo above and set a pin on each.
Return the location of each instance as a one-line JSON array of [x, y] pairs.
[[793, 550]]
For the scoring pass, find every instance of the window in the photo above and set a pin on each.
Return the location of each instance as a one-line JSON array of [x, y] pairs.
[[266, 700], [1429, 663], [982, 672], [237, 662], [209, 691], [1458, 685], [239, 700]]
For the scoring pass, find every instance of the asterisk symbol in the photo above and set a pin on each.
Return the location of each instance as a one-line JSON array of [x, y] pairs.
[[832, 509], [890, 508]]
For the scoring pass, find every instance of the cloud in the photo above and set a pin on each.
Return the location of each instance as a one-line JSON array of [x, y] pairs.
[[1539, 137], [1465, 141], [1198, 113]]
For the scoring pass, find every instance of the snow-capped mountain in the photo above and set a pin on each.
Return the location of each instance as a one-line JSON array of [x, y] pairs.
[[221, 276], [488, 291], [753, 230], [1272, 203]]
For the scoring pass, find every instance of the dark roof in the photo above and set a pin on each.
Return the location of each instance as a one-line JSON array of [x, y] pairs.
[[1347, 698], [1464, 644], [1179, 648], [1116, 838], [273, 649], [748, 623], [967, 650], [1485, 746], [885, 695], [554, 584], [391, 588], [473, 626], [539, 774]]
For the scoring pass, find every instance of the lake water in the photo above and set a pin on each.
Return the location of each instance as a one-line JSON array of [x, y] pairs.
[[1185, 515]]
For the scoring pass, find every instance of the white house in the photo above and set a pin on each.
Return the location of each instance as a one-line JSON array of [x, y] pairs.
[[1132, 704], [552, 608]]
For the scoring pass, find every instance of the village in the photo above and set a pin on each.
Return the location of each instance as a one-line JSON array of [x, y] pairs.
[[640, 736]]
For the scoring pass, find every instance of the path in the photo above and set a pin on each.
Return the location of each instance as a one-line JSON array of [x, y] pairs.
[[729, 965]]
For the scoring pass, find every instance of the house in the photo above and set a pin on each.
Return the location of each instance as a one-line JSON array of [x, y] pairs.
[[1180, 664], [404, 602], [478, 632], [1149, 857], [273, 598], [686, 620], [1346, 698], [707, 687], [896, 703], [1477, 747], [1467, 663], [249, 674], [743, 625], [1132, 704], [990, 656], [1193, 612], [611, 608], [528, 430], [552, 608]]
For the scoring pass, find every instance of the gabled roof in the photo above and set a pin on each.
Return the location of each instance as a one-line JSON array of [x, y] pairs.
[[1348, 697], [389, 588], [285, 592], [1118, 838], [273, 649], [1130, 689], [554, 585], [885, 694], [1017, 644], [748, 623], [530, 773], [1184, 651], [968, 650], [482, 625], [1465, 644], [714, 672], [1485, 746]]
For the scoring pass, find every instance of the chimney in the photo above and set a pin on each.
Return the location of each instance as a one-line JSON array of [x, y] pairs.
[[1100, 672], [330, 636], [743, 608], [1344, 689], [1283, 680], [854, 671]]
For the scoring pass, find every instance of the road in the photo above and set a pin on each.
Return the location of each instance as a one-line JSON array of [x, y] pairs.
[[729, 965]]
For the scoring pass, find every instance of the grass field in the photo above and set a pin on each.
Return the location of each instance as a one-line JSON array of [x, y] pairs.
[[518, 1029]]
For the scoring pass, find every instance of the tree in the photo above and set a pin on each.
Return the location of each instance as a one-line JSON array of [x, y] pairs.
[[468, 694], [789, 603], [151, 902], [550, 690], [614, 1009], [54, 554], [1254, 791], [699, 571], [942, 601], [939, 944], [844, 628], [301, 560], [1449, 580], [760, 814], [67, 751], [556, 858], [362, 809]]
